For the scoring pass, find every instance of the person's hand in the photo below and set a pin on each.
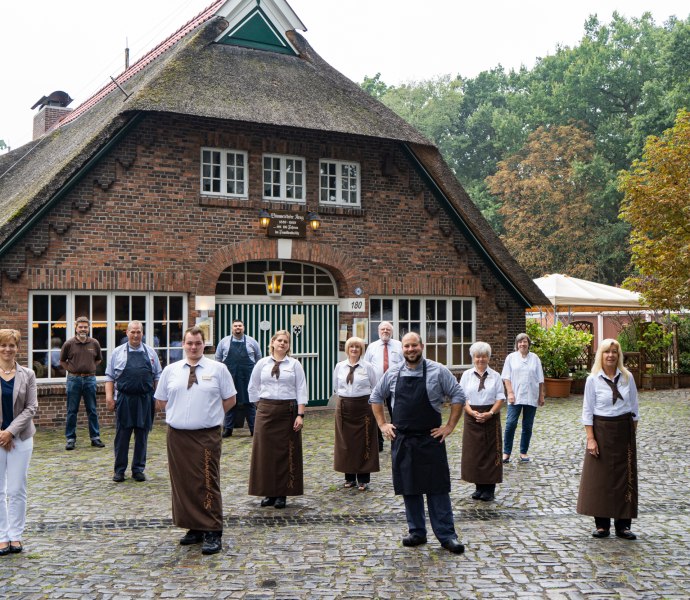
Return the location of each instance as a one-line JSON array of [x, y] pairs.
[[593, 447], [511, 398], [442, 432], [110, 404], [299, 423], [482, 417], [6, 440], [388, 431], [541, 401]]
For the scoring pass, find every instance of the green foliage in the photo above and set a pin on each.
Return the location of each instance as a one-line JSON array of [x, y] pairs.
[[557, 347], [655, 342]]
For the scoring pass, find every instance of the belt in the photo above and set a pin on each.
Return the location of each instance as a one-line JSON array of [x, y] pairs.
[[83, 374]]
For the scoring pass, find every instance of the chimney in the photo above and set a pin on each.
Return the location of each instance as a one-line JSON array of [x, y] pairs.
[[52, 109]]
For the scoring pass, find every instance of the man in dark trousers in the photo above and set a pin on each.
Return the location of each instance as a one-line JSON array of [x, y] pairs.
[[130, 380], [239, 353], [419, 461], [80, 356]]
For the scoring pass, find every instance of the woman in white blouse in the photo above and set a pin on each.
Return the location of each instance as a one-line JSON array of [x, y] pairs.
[[481, 434], [279, 388], [524, 381], [356, 451], [610, 412]]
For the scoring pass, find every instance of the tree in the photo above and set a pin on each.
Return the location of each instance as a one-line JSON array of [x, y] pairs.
[[656, 204]]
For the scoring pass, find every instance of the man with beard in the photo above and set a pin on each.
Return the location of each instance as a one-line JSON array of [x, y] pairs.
[[80, 356], [419, 461]]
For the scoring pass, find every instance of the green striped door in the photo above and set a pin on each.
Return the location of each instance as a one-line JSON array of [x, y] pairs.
[[315, 343]]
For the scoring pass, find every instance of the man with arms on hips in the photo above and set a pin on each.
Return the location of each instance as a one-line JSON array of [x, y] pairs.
[[195, 393], [130, 380], [239, 353], [419, 460], [80, 356], [385, 353]]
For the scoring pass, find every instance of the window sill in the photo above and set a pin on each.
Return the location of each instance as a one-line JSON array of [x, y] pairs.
[[351, 211], [224, 201]]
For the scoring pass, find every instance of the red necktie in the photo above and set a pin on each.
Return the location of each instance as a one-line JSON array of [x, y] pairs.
[[385, 356]]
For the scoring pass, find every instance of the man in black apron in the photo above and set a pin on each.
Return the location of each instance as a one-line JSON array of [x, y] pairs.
[[133, 370], [419, 461], [239, 353]]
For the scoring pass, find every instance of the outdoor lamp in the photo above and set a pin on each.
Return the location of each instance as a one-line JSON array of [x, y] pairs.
[[274, 283], [314, 220], [264, 218]]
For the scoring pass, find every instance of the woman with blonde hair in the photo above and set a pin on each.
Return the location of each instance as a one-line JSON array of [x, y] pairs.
[[356, 451], [279, 389], [17, 410], [610, 412]]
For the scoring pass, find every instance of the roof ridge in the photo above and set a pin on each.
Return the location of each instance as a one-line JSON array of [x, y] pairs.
[[145, 60]]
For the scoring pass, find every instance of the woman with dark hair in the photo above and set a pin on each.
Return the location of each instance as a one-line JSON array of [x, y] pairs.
[[524, 380], [279, 389], [610, 412], [17, 410]]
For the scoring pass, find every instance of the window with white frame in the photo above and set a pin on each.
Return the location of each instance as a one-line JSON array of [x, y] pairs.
[[446, 325], [284, 178], [224, 172], [339, 183], [52, 316]]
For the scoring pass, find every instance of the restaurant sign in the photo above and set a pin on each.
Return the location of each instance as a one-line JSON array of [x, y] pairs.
[[287, 224]]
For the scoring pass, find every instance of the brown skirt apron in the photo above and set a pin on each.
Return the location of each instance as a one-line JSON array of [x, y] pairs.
[[608, 486], [276, 466], [194, 466], [356, 440], [482, 449]]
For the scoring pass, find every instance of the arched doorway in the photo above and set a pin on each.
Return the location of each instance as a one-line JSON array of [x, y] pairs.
[[305, 303]]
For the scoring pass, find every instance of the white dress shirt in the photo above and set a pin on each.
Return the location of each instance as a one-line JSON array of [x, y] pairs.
[[493, 388], [291, 385], [525, 375], [200, 406], [598, 399], [364, 380], [374, 354]]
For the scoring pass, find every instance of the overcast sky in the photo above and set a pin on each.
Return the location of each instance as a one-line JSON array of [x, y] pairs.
[[75, 45]]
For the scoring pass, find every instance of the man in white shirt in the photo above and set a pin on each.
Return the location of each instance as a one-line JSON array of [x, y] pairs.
[[385, 353], [195, 393]]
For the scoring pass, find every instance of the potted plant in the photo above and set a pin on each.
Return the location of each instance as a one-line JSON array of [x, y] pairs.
[[557, 347], [655, 343], [579, 379]]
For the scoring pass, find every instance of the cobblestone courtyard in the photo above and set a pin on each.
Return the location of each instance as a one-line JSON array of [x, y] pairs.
[[88, 537]]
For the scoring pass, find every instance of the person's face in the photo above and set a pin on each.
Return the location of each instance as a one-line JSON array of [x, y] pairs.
[[523, 346], [385, 332], [412, 349], [134, 335], [354, 352], [8, 351], [481, 362], [238, 329], [82, 330], [610, 357], [281, 345], [193, 346]]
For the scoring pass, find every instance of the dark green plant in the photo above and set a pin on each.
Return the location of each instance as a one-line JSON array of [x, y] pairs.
[[655, 342], [557, 347]]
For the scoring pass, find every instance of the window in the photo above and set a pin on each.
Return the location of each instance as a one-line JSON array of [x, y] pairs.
[[339, 183], [284, 178], [224, 172], [447, 326], [52, 316]]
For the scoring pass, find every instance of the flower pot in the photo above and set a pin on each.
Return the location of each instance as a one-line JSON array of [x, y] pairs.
[[557, 388], [578, 386]]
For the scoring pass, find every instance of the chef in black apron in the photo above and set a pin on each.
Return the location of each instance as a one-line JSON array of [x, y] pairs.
[[133, 371], [419, 461], [239, 353]]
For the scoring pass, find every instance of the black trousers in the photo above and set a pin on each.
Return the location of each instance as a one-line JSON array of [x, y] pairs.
[[360, 477], [486, 487], [122, 437], [619, 524]]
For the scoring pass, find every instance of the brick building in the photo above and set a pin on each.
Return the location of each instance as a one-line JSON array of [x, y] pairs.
[[231, 172]]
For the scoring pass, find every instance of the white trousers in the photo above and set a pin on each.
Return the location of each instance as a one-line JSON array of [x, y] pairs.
[[14, 467]]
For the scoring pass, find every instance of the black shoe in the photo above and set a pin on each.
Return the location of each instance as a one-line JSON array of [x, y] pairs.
[[16, 549], [487, 496], [453, 546], [477, 494], [119, 477], [70, 444], [626, 534], [192, 537], [96, 443], [5, 551], [227, 433], [413, 539], [280, 502], [213, 542], [268, 501], [139, 476], [601, 533]]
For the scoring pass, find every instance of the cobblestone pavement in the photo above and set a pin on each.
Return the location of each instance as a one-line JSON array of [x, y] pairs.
[[88, 537]]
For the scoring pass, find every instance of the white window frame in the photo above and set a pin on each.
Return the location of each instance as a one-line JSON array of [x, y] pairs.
[[339, 183], [149, 322], [224, 153], [396, 319], [283, 177]]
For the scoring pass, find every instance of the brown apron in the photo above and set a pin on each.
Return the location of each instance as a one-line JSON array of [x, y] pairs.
[[194, 466], [608, 486], [482, 449], [356, 442], [276, 466]]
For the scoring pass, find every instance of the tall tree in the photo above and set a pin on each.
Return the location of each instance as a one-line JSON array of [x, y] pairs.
[[656, 204]]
